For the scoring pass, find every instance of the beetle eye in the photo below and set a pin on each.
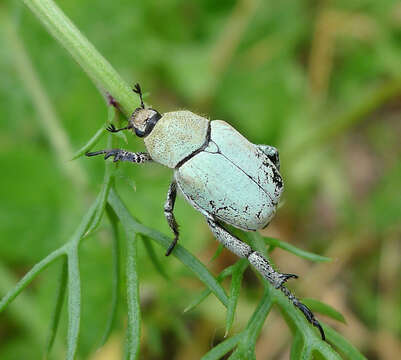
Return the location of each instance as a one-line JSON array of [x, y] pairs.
[[139, 133], [150, 123]]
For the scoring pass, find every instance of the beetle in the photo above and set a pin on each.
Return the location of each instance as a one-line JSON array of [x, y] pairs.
[[220, 173]]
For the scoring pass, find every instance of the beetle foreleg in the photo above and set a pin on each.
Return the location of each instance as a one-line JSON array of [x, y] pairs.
[[123, 155], [272, 154], [168, 213], [113, 129], [261, 264]]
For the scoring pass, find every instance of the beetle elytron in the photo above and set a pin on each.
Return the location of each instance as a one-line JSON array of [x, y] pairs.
[[220, 173]]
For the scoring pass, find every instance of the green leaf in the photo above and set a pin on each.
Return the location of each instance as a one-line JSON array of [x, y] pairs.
[[219, 250], [134, 312], [32, 274], [116, 275], [236, 280], [246, 347], [74, 303], [74, 282], [223, 348], [294, 250], [179, 252], [236, 355], [100, 206], [91, 143], [108, 181], [85, 224], [294, 318], [205, 293], [342, 344], [257, 319], [298, 349], [24, 311], [153, 257], [257, 242], [58, 307], [324, 309]]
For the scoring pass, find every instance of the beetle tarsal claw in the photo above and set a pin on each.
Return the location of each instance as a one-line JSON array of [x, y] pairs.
[[286, 277], [111, 128], [94, 153], [111, 153], [304, 309], [311, 318], [172, 246]]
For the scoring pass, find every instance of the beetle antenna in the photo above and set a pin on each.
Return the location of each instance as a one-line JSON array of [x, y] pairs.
[[137, 89]]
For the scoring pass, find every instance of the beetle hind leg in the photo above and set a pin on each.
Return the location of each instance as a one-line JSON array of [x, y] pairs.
[[262, 265], [242, 249], [168, 213]]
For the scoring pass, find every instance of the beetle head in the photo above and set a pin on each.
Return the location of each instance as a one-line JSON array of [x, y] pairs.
[[143, 119]]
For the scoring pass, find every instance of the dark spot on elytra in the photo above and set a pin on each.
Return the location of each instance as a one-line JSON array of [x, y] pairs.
[[221, 208], [277, 178], [258, 214]]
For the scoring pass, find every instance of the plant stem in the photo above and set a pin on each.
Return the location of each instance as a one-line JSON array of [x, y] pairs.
[[94, 64]]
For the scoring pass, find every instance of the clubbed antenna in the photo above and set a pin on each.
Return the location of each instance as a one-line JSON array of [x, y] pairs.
[[137, 89]]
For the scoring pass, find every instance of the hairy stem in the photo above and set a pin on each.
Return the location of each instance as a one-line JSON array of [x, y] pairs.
[[94, 64]]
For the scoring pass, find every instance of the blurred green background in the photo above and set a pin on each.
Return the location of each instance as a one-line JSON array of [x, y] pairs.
[[320, 80]]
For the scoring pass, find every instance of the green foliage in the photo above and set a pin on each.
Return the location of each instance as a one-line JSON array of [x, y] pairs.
[[262, 66]]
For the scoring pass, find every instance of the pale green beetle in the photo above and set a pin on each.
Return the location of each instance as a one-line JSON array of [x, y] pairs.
[[220, 173]]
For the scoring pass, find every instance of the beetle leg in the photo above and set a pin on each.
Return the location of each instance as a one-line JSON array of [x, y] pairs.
[[263, 266], [242, 249], [123, 155], [272, 154], [168, 213], [113, 129]]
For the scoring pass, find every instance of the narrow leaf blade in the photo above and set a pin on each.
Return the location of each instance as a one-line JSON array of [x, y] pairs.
[[30, 275], [153, 258], [205, 293], [134, 313], [298, 349], [74, 303], [322, 308], [296, 251], [179, 252], [236, 280], [258, 318], [223, 348], [90, 144], [58, 307], [349, 350], [116, 276]]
